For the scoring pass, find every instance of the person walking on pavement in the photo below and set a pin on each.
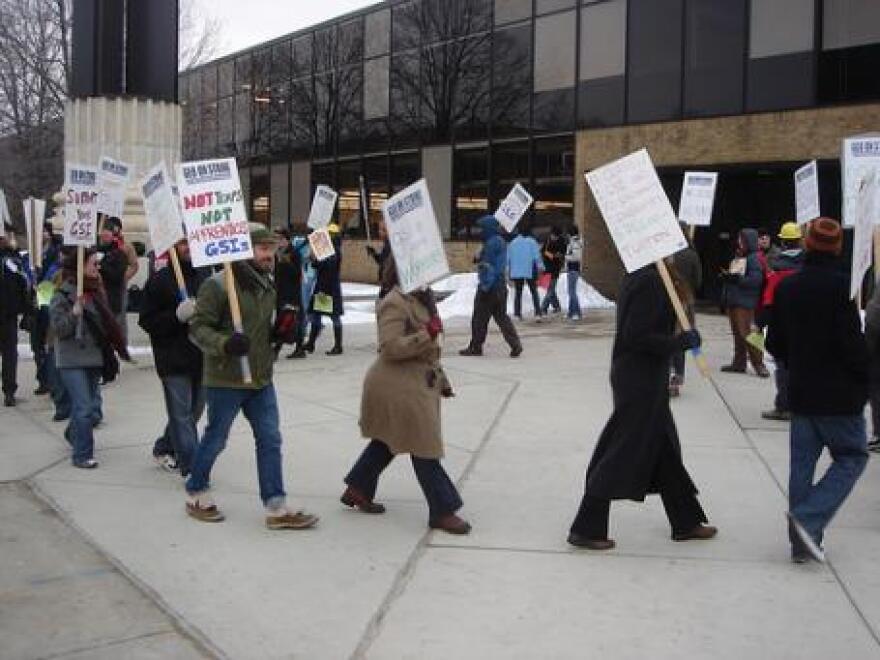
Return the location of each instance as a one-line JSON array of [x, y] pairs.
[[639, 452], [524, 265], [42, 281], [327, 298], [574, 253], [299, 255], [14, 301], [872, 338], [815, 332], [288, 283], [227, 394], [122, 265], [400, 406], [687, 266], [165, 317], [553, 253], [742, 290], [490, 300], [787, 261]]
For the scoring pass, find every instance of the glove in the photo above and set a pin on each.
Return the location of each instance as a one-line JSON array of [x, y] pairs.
[[447, 392], [237, 345], [285, 325], [186, 310], [434, 326], [690, 339]]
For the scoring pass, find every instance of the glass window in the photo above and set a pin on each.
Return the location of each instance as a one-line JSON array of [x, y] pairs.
[[326, 99], [654, 57], [183, 88], [405, 32], [553, 111], [508, 11], [553, 189], [406, 95], [279, 119], [260, 195], [323, 173], [350, 42], [227, 78], [546, 6], [302, 56], [472, 101], [349, 204], [325, 49], [510, 165], [243, 125], [282, 62], [190, 130], [378, 33], [470, 172], [209, 83], [603, 40], [848, 23], [406, 169], [243, 77], [849, 75], [376, 172], [555, 51], [714, 57], [512, 81], [208, 129], [280, 198], [350, 108], [303, 109], [376, 86], [441, 20], [780, 27], [225, 124]]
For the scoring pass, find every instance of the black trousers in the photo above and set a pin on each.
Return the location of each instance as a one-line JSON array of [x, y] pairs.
[[492, 305], [682, 507], [9, 354], [440, 493], [517, 299]]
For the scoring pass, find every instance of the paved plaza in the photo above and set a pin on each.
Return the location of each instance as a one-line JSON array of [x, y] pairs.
[[105, 563]]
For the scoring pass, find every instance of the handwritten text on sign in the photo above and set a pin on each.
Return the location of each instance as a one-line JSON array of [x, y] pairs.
[[861, 155], [415, 238], [214, 213], [698, 198], [80, 206], [636, 210]]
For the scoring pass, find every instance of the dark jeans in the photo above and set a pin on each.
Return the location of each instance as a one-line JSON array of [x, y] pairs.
[[844, 436], [84, 389], [260, 407], [781, 377], [38, 346], [671, 478], [551, 298], [440, 492], [492, 305], [57, 391], [184, 403], [517, 299], [9, 354]]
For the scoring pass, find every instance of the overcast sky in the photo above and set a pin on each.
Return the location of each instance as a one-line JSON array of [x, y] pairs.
[[251, 22]]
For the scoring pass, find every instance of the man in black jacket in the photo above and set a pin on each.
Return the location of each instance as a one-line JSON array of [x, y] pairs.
[[14, 301], [815, 332], [165, 316]]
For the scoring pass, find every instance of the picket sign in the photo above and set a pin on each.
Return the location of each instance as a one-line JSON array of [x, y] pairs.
[[34, 212], [860, 154], [113, 177], [321, 244], [806, 193], [863, 236], [217, 225], [164, 218], [365, 206], [323, 205], [642, 223], [513, 207]]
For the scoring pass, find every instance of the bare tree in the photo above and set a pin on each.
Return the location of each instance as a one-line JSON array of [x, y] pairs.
[[199, 34]]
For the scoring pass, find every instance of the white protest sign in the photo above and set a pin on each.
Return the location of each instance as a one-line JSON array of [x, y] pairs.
[[113, 177], [81, 205], [513, 207], [4, 213], [697, 198], [321, 244], [635, 207], [323, 206], [162, 209], [859, 155], [415, 237], [806, 192], [866, 217], [214, 213], [34, 213]]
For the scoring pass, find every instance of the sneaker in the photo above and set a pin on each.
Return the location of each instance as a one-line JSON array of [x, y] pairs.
[[88, 464], [776, 415], [166, 462], [874, 444], [809, 543], [287, 520], [201, 507]]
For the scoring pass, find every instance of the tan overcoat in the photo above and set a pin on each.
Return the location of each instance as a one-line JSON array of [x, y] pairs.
[[401, 398]]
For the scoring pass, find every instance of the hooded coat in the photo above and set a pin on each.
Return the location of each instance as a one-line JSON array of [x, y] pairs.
[[641, 428], [328, 281], [745, 290], [493, 257]]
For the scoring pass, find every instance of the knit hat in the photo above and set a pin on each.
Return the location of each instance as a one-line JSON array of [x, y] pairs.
[[261, 234], [824, 235]]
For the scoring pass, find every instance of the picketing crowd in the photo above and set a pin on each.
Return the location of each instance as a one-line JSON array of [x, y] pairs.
[[796, 294]]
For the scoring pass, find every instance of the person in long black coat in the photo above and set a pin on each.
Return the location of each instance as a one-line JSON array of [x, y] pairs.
[[328, 286], [638, 452]]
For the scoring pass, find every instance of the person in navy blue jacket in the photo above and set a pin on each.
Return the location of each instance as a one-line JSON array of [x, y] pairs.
[[490, 300]]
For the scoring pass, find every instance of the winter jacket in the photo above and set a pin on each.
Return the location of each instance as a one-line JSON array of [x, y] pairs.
[[574, 253], [173, 352], [815, 331], [72, 352], [784, 264], [328, 282], [288, 278], [524, 258], [745, 290], [687, 263], [553, 252], [14, 295], [493, 257], [113, 265], [212, 326]]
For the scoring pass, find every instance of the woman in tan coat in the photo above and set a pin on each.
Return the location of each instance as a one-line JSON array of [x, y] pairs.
[[400, 406]]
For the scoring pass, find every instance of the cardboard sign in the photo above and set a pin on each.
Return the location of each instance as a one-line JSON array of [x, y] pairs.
[[162, 209], [323, 206], [415, 237], [697, 198], [34, 214], [806, 193], [321, 244], [113, 177], [513, 207], [859, 155], [214, 213], [81, 206], [635, 207], [863, 236], [4, 213]]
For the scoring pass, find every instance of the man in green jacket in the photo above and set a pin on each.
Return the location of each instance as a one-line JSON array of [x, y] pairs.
[[226, 392]]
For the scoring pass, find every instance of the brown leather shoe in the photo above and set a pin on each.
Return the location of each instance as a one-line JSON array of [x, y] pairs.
[[451, 523], [352, 497], [291, 520], [699, 533], [591, 544]]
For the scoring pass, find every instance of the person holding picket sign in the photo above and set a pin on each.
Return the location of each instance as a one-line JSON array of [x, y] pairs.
[[327, 297]]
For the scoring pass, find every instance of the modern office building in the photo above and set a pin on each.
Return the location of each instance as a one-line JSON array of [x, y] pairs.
[[476, 95]]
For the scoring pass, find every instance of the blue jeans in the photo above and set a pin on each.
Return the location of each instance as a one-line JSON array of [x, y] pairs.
[[83, 387], [845, 438], [574, 305], [56, 387], [184, 403], [551, 298], [260, 407]]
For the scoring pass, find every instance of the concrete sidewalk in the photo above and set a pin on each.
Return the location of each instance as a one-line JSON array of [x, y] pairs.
[[519, 435]]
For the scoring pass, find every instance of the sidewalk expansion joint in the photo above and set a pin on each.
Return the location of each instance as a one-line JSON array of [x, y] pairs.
[[105, 645]]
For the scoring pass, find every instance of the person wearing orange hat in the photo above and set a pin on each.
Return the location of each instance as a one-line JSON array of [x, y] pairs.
[[815, 332]]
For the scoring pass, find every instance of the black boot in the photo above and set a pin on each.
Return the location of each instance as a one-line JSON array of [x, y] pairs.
[[337, 341]]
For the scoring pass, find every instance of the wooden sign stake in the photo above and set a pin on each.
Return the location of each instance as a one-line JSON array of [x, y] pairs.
[[178, 274], [680, 314], [236, 317], [80, 267]]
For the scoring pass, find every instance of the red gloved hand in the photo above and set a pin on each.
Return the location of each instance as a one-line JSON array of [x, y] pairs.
[[434, 326]]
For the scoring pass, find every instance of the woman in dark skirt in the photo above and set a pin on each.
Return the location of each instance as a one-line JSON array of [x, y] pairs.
[[638, 452]]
